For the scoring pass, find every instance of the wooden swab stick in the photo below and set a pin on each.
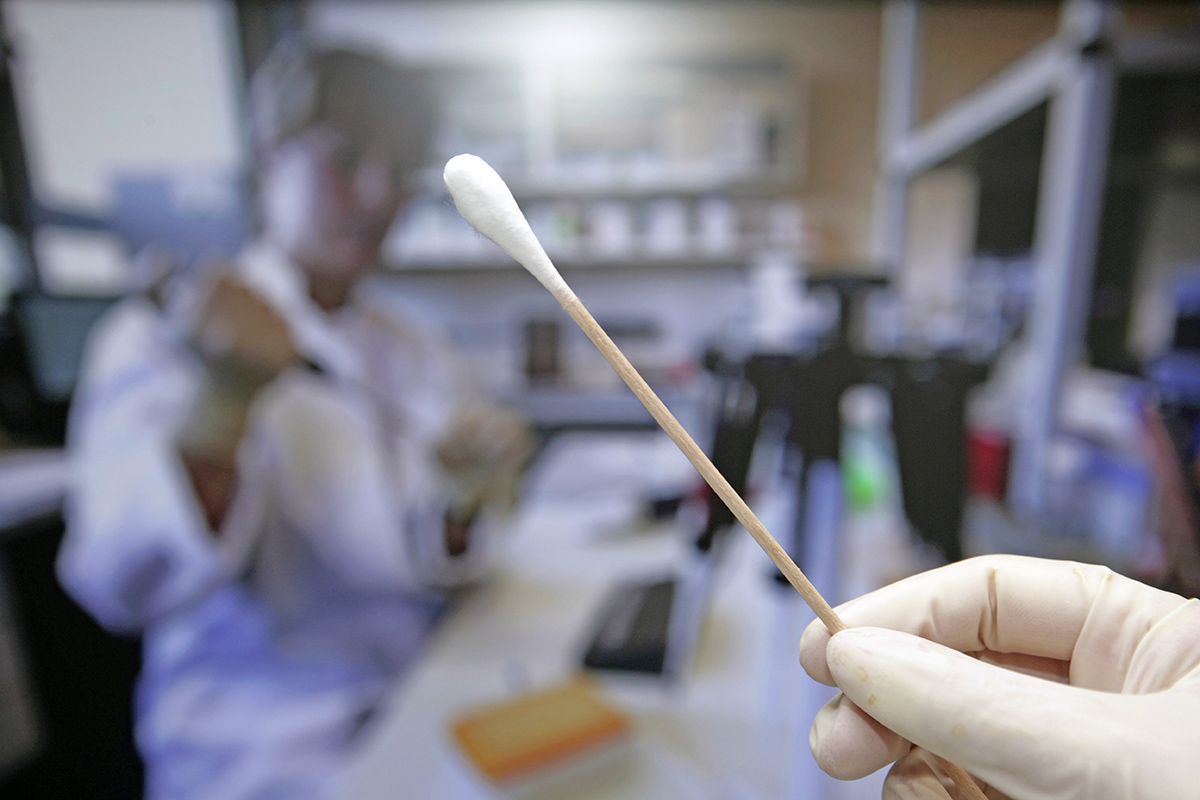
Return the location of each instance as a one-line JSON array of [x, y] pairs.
[[485, 201]]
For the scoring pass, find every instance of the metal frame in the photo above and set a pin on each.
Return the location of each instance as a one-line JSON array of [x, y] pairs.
[[1017, 89], [899, 79], [1070, 201], [19, 209], [1076, 73]]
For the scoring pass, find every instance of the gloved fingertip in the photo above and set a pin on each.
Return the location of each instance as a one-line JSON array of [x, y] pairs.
[[916, 776], [848, 745], [859, 659], [861, 647], [823, 739], [813, 643]]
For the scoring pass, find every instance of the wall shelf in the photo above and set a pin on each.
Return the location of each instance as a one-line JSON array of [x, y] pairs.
[[630, 189], [630, 263]]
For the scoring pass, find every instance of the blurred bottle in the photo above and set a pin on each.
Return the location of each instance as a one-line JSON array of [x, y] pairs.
[[990, 424], [610, 227], [665, 228], [776, 281], [716, 226], [877, 546]]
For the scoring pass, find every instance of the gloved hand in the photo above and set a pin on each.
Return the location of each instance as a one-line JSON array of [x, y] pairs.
[[483, 455], [243, 344], [1083, 684]]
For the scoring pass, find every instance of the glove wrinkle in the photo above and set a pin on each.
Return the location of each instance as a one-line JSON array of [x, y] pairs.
[[1121, 615], [1168, 653], [989, 618]]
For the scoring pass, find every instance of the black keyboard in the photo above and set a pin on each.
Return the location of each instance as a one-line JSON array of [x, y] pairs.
[[632, 628]]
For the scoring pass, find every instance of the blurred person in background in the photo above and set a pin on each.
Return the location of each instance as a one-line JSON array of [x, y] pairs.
[[274, 478]]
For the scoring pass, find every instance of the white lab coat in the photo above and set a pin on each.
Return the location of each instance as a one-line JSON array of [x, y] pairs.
[[267, 646]]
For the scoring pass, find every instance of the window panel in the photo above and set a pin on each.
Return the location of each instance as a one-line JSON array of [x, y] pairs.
[[110, 87]]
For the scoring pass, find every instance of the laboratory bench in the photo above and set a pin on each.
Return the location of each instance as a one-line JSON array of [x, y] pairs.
[[732, 723]]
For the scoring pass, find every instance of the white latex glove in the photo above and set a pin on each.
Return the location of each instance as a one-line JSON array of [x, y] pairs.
[[483, 455], [1083, 684], [243, 344]]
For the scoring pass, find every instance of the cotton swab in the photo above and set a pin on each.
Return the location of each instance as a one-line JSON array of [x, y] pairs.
[[485, 201]]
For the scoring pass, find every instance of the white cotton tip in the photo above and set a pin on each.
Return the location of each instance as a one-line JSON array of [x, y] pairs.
[[485, 201]]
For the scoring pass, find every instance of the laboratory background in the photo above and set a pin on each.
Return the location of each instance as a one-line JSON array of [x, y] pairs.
[[921, 278]]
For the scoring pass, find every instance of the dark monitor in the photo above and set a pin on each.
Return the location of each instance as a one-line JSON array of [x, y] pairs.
[[42, 342], [54, 331]]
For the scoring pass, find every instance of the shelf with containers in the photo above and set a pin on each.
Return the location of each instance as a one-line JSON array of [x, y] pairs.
[[638, 162]]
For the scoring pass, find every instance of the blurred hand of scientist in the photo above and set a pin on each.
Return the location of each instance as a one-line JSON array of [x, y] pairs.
[[483, 456], [243, 344], [240, 338], [1082, 684], [484, 452]]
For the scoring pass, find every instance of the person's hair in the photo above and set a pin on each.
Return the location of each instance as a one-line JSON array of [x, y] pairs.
[[302, 83]]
